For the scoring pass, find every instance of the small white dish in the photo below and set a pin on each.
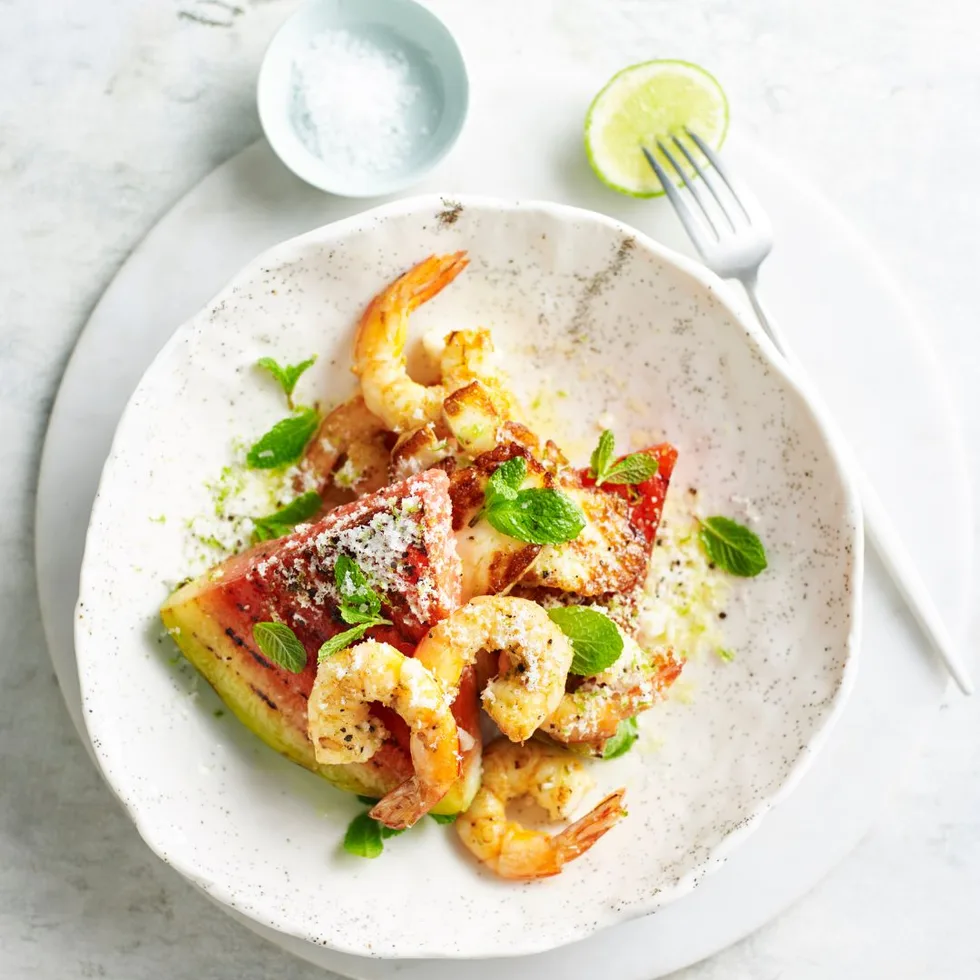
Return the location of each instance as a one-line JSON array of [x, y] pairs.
[[398, 36], [660, 347]]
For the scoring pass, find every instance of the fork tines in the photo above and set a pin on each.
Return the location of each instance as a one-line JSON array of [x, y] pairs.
[[732, 205]]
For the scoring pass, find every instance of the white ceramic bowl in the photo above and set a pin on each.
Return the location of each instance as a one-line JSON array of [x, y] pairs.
[[433, 120], [657, 344]]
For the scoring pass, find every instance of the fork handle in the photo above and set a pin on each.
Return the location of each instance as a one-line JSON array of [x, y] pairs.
[[878, 526]]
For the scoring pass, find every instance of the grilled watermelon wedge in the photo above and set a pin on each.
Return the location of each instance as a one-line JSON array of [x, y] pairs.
[[402, 539]]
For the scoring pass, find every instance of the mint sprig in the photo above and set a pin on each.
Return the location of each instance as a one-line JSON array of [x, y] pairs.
[[732, 547], [281, 645], [635, 468], [359, 605], [286, 518], [627, 732], [536, 515], [285, 441], [365, 836], [595, 638], [286, 374]]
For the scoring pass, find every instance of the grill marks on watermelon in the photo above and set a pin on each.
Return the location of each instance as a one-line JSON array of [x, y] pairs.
[[401, 537]]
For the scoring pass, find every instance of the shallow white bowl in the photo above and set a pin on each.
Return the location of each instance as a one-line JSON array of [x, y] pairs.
[[437, 71], [656, 344]]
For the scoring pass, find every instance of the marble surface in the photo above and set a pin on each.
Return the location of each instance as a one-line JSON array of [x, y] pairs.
[[113, 108]]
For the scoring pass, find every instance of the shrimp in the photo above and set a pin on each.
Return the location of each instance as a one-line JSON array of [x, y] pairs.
[[379, 348], [343, 729], [556, 782], [533, 662], [635, 682], [350, 432], [468, 357]]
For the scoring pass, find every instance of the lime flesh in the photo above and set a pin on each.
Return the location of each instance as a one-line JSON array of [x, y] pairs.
[[645, 103]]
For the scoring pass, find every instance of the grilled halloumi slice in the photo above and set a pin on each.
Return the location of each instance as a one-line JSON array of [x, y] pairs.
[[492, 562], [609, 555]]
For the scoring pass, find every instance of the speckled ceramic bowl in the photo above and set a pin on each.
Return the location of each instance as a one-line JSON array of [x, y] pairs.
[[624, 327]]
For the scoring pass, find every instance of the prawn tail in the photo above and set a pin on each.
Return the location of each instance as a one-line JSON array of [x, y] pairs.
[[577, 838], [430, 277], [404, 806]]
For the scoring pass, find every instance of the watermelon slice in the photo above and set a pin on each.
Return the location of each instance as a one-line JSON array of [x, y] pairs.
[[402, 539], [645, 500]]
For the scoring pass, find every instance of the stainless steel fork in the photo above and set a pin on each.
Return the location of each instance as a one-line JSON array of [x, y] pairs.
[[733, 235]]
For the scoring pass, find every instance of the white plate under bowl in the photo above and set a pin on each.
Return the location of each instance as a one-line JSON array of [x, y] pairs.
[[655, 343]]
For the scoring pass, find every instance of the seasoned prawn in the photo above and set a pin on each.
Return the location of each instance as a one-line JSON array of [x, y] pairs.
[[533, 659], [379, 348], [352, 434], [343, 729], [468, 357], [634, 683], [555, 781]]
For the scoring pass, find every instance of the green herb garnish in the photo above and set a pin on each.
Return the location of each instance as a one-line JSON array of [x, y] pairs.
[[535, 515], [727, 655], [635, 468], [363, 837], [627, 732], [287, 375], [285, 441], [595, 638], [444, 817], [286, 518], [732, 547], [360, 605], [280, 644]]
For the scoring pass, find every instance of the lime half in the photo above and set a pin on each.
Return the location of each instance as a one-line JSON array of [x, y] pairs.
[[642, 104]]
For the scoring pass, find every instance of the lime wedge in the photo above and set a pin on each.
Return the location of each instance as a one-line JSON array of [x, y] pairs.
[[645, 103]]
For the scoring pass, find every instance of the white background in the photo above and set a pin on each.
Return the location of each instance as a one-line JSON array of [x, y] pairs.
[[111, 109]]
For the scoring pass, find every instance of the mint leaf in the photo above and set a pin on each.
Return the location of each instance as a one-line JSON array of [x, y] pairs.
[[732, 547], [601, 455], [369, 800], [635, 468], [595, 638], [538, 516], [359, 603], [506, 480], [363, 837], [627, 732], [341, 642], [280, 644], [284, 442], [387, 832], [286, 518], [287, 375], [444, 817]]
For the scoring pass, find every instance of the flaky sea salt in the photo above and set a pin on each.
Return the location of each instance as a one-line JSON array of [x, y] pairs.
[[353, 102]]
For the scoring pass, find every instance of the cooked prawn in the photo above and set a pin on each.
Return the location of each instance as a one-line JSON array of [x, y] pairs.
[[634, 683], [555, 781], [534, 657], [468, 357], [353, 434], [379, 348], [343, 729]]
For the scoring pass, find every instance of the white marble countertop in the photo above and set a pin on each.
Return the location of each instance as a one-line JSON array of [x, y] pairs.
[[111, 109]]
